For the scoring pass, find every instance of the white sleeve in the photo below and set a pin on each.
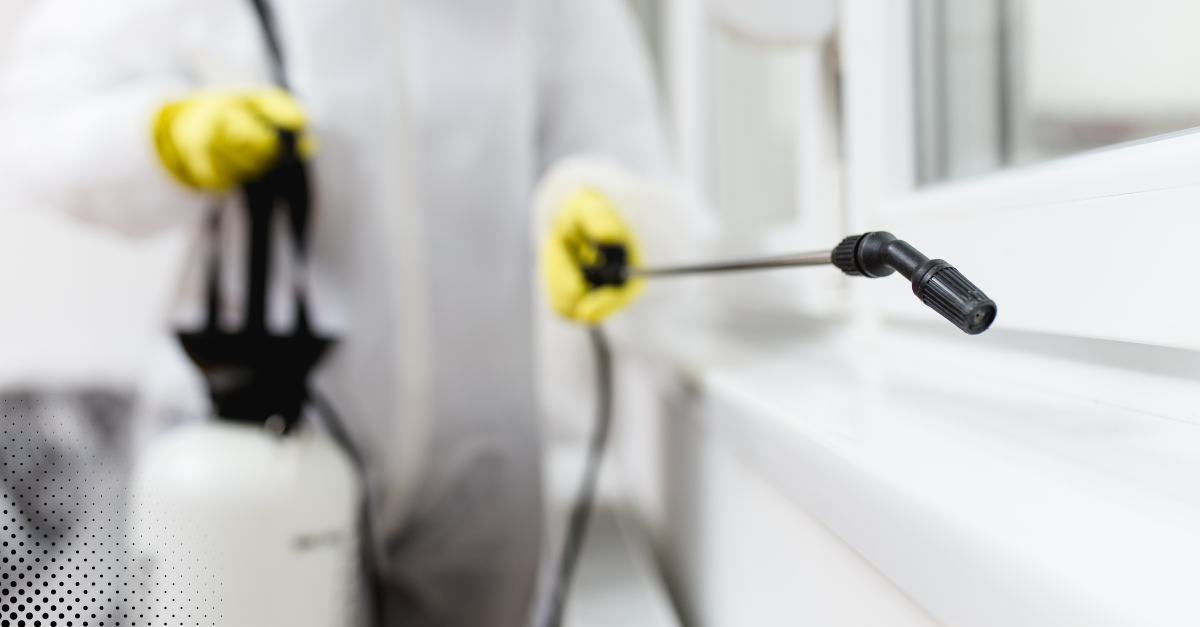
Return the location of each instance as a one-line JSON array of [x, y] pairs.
[[76, 102], [600, 124], [597, 94]]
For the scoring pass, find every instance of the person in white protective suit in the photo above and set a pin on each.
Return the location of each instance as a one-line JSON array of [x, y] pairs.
[[433, 121]]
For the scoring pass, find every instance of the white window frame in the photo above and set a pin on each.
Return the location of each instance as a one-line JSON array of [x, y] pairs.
[[817, 221], [1012, 478], [1094, 245]]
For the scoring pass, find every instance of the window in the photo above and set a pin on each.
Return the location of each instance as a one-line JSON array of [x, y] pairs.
[[1042, 473], [753, 124], [1010, 82], [755, 134]]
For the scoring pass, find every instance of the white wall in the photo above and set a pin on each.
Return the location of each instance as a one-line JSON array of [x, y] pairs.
[[78, 305], [11, 12]]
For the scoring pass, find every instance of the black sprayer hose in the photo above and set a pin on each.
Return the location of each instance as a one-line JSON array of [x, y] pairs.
[[581, 509], [337, 429]]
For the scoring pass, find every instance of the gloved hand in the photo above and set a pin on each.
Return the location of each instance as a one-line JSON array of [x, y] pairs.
[[586, 219], [213, 140]]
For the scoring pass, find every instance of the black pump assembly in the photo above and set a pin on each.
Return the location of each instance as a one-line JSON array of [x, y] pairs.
[[252, 374], [876, 254]]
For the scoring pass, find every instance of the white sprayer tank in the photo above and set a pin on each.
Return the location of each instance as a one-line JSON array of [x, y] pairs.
[[234, 526]]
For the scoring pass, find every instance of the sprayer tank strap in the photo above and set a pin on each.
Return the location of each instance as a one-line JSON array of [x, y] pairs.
[[266, 22]]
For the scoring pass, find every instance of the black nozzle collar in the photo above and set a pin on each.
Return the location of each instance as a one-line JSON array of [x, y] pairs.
[[865, 255]]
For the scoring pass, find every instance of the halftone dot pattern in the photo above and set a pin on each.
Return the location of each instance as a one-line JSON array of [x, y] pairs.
[[67, 559], [177, 581], [216, 524]]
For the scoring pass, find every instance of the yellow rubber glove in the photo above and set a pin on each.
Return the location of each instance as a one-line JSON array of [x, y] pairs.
[[584, 221], [214, 140]]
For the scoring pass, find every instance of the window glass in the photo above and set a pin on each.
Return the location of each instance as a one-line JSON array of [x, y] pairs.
[[754, 90], [649, 16], [1009, 82]]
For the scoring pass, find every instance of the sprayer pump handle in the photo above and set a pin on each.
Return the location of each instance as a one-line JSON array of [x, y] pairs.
[[612, 269]]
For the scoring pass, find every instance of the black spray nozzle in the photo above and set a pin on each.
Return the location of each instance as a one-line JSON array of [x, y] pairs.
[[935, 282]]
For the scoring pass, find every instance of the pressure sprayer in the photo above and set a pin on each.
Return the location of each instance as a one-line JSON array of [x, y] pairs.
[[252, 519], [877, 254]]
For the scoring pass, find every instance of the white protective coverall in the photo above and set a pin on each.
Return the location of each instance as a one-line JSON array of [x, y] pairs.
[[434, 118]]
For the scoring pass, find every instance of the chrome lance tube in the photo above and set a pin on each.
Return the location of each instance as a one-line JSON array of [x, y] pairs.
[[819, 258]]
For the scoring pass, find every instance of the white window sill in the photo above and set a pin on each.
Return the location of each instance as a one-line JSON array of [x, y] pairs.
[[993, 486]]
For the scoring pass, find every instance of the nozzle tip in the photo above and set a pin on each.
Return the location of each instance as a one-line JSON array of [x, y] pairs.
[[945, 290]]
